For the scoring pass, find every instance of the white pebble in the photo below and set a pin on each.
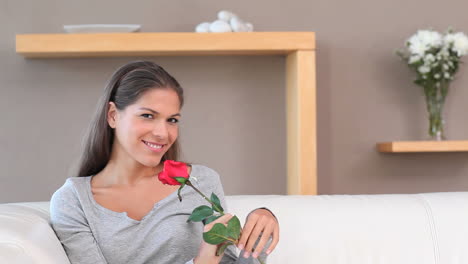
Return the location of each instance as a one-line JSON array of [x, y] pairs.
[[226, 15], [238, 25], [220, 26], [249, 27], [203, 27]]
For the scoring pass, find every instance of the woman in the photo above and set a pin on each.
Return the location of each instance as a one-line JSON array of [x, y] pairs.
[[117, 211]]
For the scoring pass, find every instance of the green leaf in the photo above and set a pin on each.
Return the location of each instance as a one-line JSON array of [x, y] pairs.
[[211, 219], [178, 191], [222, 248], [217, 202], [217, 234], [181, 180], [200, 213], [234, 228]]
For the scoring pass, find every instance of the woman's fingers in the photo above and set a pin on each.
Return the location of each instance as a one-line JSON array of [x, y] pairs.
[[260, 227], [254, 235], [275, 240], [249, 226], [265, 236]]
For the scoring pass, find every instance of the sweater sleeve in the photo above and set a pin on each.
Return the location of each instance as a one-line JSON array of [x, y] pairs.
[[230, 254], [71, 227]]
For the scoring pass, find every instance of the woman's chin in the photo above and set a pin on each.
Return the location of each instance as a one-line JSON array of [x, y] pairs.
[[151, 163]]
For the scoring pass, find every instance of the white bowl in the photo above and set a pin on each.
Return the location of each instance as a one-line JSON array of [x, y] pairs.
[[101, 28]]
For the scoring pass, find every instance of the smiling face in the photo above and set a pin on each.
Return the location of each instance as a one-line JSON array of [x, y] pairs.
[[145, 130]]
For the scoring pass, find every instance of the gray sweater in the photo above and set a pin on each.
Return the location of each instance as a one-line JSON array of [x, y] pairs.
[[91, 233]]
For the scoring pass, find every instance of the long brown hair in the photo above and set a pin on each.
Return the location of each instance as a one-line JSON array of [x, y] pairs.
[[124, 88]]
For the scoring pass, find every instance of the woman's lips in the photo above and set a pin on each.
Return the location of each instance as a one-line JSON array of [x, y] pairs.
[[155, 147]]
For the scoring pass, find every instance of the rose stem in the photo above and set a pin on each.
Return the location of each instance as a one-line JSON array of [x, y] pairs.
[[206, 198]]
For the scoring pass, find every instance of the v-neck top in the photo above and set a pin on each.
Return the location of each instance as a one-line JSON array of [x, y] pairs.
[[91, 233], [123, 215]]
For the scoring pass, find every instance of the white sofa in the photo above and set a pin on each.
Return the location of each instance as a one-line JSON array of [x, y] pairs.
[[430, 228]]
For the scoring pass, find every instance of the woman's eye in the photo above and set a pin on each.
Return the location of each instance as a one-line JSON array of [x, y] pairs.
[[173, 120], [147, 115]]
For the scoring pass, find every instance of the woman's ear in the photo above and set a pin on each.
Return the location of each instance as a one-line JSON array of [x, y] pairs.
[[111, 114]]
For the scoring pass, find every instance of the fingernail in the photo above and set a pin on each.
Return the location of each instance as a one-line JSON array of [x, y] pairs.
[[268, 252], [240, 246], [246, 254], [255, 255]]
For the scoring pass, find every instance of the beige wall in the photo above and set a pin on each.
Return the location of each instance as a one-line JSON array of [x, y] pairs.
[[234, 120]]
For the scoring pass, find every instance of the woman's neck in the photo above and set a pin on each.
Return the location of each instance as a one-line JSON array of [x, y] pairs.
[[123, 173]]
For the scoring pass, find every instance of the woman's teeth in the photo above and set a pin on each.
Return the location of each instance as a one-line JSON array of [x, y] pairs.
[[153, 145]]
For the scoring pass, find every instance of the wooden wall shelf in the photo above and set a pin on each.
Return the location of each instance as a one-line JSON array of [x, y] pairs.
[[298, 47], [423, 146], [162, 44]]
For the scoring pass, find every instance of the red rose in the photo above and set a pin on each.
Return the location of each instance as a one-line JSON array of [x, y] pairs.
[[173, 169]]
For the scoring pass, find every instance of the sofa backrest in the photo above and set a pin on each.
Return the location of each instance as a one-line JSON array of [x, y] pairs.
[[332, 229], [429, 228]]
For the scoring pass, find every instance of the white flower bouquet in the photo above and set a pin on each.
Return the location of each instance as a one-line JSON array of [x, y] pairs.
[[435, 58]]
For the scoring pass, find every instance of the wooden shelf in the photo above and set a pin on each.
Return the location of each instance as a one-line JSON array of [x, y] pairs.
[[298, 48], [162, 44], [423, 146]]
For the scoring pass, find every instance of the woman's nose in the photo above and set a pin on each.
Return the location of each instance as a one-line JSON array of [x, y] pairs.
[[160, 130]]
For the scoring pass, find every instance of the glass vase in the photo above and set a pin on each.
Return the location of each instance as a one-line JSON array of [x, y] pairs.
[[435, 107]]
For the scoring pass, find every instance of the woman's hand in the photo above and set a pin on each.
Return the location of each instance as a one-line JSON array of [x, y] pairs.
[[259, 222], [207, 252]]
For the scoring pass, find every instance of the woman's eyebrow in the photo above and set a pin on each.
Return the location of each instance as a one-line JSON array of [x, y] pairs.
[[155, 112]]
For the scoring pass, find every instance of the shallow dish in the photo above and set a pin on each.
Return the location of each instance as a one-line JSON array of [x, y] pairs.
[[101, 28]]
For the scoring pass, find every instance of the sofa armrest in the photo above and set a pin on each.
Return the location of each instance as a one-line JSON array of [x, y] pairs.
[[26, 235]]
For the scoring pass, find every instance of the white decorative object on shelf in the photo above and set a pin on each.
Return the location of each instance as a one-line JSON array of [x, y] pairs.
[[238, 25], [225, 15], [203, 27], [220, 26], [226, 22], [101, 28]]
